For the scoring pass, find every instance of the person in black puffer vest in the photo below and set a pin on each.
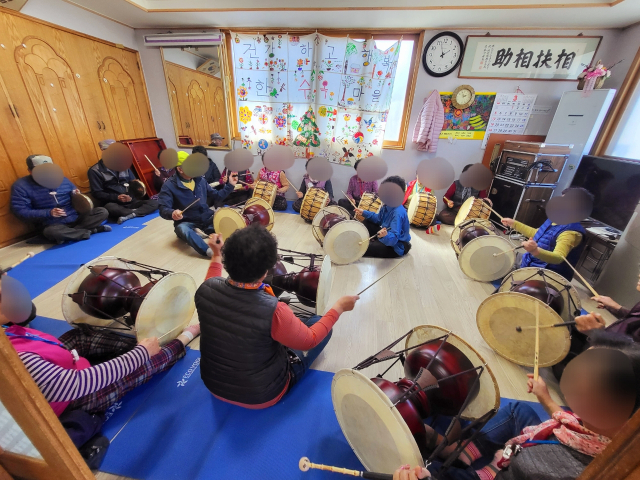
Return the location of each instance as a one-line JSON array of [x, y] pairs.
[[253, 348], [601, 387]]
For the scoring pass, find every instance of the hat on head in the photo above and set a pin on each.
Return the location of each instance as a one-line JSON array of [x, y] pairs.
[[35, 160], [182, 156], [104, 144], [216, 136]]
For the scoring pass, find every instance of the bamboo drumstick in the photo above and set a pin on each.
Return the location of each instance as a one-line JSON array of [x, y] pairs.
[[350, 201], [489, 207], [507, 251], [368, 239], [191, 204], [536, 368], [394, 267], [285, 176], [154, 167], [26, 257], [531, 327], [305, 465], [586, 284]]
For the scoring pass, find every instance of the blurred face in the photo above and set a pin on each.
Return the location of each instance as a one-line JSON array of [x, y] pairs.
[[181, 172], [586, 389]]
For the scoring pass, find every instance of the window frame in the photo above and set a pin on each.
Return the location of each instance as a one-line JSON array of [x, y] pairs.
[[417, 35]]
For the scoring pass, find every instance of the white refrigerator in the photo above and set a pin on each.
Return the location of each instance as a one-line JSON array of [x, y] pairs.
[[577, 122]]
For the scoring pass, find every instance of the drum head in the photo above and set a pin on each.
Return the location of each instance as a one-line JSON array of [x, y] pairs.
[[227, 220], [475, 222], [265, 204], [167, 308], [315, 223], [465, 208], [324, 287], [376, 431], [342, 242], [81, 203], [70, 309], [476, 259], [488, 397], [555, 280], [500, 314]]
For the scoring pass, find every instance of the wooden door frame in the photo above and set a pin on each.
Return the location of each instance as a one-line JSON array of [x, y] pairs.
[[23, 400]]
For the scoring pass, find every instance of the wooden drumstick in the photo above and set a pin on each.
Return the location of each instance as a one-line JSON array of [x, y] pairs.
[[536, 368], [291, 184], [191, 204], [350, 201], [154, 167], [586, 284], [394, 267], [507, 251], [561, 324], [369, 239], [27, 257], [497, 214], [306, 465]]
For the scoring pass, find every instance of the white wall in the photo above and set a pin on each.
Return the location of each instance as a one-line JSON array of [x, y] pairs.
[[80, 20], [404, 162]]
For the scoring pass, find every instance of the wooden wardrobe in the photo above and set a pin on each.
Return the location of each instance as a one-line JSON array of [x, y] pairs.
[[197, 103], [61, 92]]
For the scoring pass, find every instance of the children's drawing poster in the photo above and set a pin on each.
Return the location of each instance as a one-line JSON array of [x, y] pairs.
[[469, 123], [323, 96], [510, 114]]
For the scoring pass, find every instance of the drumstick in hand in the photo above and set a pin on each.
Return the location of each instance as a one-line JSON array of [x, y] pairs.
[[369, 239], [191, 204], [394, 267], [536, 368], [507, 251], [586, 284], [154, 167], [531, 327], [347, 197], [305, 465], [285, 176], [497, 214]]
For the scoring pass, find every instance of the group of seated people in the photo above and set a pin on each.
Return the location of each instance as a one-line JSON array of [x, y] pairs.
[[254, 350]]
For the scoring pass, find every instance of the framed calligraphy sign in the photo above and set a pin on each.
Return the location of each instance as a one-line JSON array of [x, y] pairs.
[[523, 57]]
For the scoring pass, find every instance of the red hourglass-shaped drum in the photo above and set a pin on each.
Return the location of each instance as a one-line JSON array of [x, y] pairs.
[[471, 233], [303, 283], [105, 292], [257, 214], [329, 221], [543, 292]]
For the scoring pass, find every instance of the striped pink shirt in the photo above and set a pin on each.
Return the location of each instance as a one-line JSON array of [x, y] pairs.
[[62, 385]]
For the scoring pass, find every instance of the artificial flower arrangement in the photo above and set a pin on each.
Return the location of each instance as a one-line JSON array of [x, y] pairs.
[[593, 77]]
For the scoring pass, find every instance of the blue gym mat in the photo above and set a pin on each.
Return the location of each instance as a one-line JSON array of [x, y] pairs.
[[289, 208], [50, 325], [51, 266], [180, 431]]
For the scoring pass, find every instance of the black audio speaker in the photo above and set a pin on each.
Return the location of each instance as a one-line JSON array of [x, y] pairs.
[[524, 203]]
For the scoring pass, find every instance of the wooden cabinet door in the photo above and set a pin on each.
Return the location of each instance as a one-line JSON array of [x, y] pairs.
[[122, 102], [199, 114], [50, 82], [219, 109], [173, 91]]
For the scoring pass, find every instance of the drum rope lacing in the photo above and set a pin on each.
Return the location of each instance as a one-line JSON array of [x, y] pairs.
[[387, 354]]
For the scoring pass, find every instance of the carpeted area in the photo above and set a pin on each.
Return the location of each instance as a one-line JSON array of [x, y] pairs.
[[46, 269]]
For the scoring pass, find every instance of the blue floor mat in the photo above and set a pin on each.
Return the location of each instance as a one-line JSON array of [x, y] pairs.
[[51, 326], [47, 268], [289, 208], [179, 431]]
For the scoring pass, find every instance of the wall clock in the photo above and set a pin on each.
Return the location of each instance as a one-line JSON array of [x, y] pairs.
[[442, 54], [463, 96]]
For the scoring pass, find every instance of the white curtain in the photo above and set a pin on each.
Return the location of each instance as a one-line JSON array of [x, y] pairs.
[[323, 96]]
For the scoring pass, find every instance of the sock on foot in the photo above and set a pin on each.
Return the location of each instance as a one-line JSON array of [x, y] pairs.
[[102, 228], [209, 253], [121, 220]]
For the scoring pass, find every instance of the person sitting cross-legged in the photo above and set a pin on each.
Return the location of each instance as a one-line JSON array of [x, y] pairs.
[[51, 210], [179, 192], [112, 190], [391, 227], [253, 347]]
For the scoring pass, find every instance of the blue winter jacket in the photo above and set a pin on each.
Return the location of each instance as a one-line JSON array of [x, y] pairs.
[[396, 221], [33, 203], [175, 196]]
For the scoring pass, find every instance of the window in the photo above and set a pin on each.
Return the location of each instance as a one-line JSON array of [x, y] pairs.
[[624, 142], [404, 86]]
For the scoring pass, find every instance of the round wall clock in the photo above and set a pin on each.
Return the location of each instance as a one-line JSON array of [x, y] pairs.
[[442, 54], [463, 96]]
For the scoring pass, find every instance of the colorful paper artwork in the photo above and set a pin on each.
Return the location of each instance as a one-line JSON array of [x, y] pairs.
[[321, 95], [469, 123]]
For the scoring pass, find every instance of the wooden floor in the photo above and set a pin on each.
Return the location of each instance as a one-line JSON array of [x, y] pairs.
[[429, 288]]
